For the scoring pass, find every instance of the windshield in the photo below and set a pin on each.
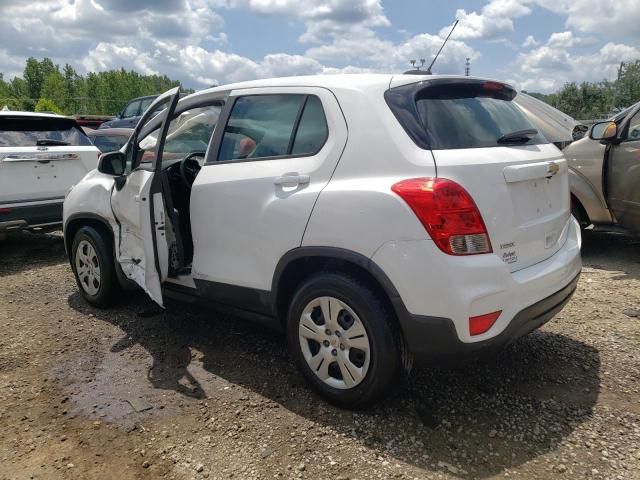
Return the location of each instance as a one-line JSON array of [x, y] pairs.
[[31, 131], [471, 116]]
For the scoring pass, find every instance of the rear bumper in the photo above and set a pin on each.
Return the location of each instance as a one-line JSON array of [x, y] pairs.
[[30, 216], [434, 339], [438, 293]]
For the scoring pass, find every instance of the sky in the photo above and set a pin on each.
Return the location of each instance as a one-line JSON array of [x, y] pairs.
[[537, 45]]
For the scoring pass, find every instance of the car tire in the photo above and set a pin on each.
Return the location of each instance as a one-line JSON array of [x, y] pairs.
[[93, 267], [357, 358]]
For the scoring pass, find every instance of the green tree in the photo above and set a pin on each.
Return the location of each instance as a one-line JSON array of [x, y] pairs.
[[34, 74], [47, 105], [628, 86], [53, 89]]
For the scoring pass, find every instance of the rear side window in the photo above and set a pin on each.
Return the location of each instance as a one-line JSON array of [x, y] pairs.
[[43, 131], [472, 114], [268, 126], [312, 131]]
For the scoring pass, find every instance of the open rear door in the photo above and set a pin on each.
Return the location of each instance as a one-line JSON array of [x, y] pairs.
[[138, 204]]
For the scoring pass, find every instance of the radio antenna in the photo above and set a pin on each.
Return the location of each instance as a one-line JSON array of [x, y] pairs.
[[428, 71]]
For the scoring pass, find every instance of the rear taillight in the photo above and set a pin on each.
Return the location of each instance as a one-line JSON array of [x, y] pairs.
[[449, 214], [482, 323]]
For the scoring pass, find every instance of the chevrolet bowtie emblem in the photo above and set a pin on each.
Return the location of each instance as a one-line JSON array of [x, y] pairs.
[[553, 169]]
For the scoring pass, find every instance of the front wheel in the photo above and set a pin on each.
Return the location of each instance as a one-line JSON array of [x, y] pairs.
[[93, 267], [343, 339]]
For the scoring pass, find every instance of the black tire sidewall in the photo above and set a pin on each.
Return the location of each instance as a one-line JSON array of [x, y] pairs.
[[108, 282], [385, 358]]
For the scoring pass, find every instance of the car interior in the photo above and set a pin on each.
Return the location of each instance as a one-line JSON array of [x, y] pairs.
[[183, 155]]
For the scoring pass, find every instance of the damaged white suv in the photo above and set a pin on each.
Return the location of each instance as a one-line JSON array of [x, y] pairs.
[[374, 218]]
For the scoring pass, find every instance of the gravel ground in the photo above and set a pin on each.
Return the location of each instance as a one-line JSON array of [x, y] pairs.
[[189, 393]]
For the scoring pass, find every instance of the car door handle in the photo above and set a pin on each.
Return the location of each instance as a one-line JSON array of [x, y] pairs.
[[291, 180]]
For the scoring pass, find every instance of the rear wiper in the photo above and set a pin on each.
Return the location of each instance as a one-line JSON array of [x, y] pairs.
[[520, 136], [46, 141]]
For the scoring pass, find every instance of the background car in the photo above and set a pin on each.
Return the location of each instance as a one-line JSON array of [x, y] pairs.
[[130, 114], [41, 157], [109, 139], [605, 173], [556, 126]]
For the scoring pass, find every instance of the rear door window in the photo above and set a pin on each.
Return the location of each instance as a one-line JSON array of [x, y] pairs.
[[273, 126], [260, 126], [44, 131]]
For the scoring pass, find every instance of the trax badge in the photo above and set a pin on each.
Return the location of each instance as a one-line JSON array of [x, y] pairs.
[[553, 169]]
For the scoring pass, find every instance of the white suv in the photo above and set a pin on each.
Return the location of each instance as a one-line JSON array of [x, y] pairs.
[[374, 218], [41, 156]]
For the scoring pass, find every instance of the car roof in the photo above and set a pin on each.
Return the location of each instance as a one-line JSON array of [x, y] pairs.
[[11, 113], [344, 81], [111, 132]]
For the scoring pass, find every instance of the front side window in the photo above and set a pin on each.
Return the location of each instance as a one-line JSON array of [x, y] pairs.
[[109, 143], [131, 110], [40, 131], [189, 132], [634, 128], [145, 103]]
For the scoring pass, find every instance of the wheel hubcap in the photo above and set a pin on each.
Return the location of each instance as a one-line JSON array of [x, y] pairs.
[[88, 267], [334, 342]]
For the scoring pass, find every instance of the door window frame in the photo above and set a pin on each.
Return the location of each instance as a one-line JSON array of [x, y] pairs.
[[218, 134], [219, 98]]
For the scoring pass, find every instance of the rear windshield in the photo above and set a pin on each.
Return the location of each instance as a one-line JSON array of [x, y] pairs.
[[465, 115], [33, 131]]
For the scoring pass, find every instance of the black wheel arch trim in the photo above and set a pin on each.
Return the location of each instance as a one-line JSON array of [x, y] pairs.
[[335, 253], [82, 216]]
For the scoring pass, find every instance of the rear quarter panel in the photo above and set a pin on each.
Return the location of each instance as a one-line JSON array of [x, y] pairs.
[[357, 210]]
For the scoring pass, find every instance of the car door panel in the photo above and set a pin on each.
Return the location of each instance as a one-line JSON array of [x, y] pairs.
[[247, 214], [138, 206], [623, 176]]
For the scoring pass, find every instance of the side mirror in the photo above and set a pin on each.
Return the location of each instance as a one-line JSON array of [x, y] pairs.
[[603, 131], [112, 163]]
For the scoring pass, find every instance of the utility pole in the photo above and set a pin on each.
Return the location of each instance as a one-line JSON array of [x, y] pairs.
[[467, 66]]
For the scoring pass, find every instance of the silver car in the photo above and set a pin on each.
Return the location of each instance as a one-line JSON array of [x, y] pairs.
[[605, 173]]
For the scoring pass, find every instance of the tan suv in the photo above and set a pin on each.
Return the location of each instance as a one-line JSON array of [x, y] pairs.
[[605, 173]]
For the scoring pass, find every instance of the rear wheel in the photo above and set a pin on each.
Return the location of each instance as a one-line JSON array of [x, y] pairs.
[[93, 267], [343, 340]]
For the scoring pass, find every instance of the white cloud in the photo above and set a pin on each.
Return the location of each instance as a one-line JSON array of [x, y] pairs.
[[549, 66], [323, 20], [621, 17], [494, 20], [530, 41]]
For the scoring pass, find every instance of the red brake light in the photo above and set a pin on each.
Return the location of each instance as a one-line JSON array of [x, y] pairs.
[[448, 213], [494, 86], [482, 323]]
